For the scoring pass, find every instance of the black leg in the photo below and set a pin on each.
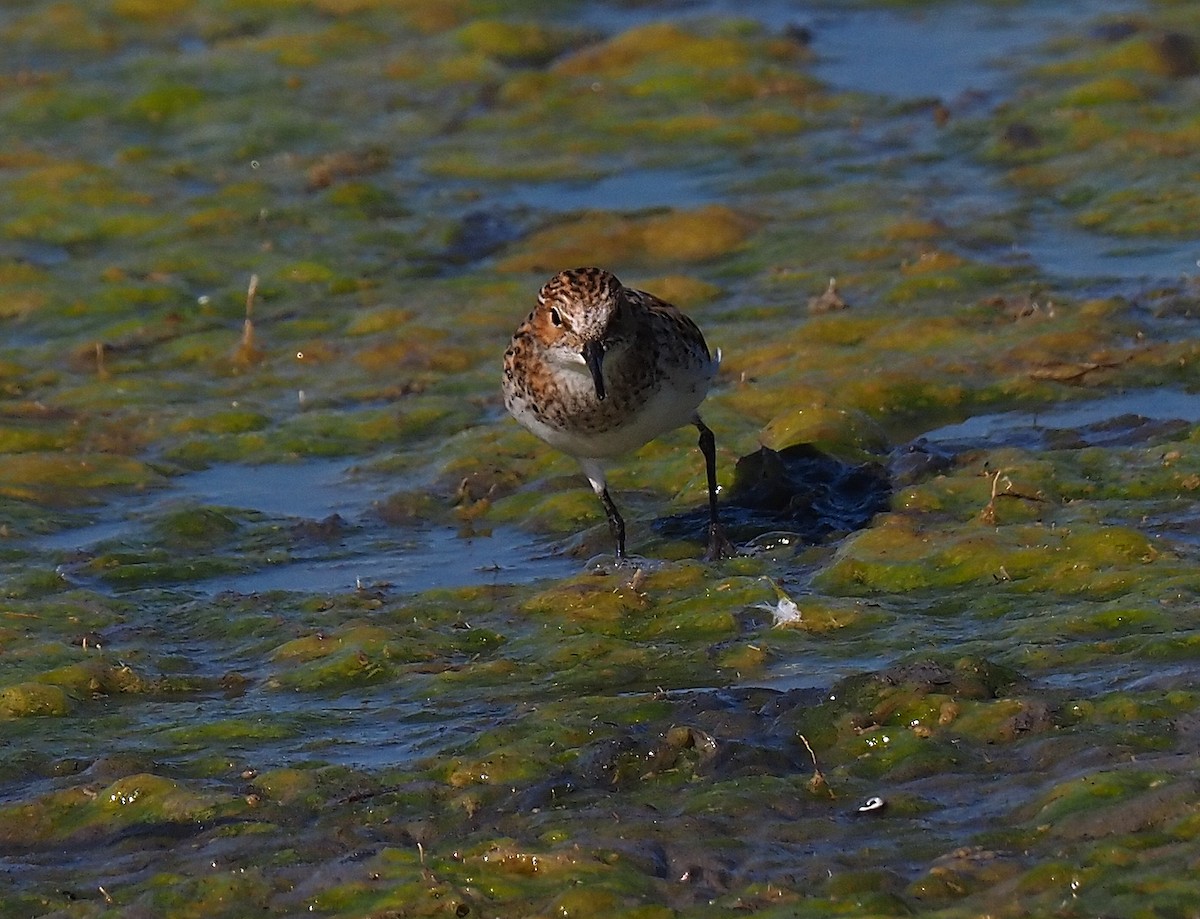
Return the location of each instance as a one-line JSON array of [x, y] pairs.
[[616, 525], [718, 545], [708, 446]]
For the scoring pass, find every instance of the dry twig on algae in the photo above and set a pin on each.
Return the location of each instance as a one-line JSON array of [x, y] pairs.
[[101, 372], [988, 514], [817, 782], [247, 351]]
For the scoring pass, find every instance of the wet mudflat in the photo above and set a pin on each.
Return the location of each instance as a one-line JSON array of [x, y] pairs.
[[293, 620]]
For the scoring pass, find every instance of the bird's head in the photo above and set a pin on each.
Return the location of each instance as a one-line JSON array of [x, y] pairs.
[[579, 318]]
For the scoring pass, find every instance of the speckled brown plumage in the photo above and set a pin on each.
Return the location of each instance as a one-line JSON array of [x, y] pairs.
[[598, 369]]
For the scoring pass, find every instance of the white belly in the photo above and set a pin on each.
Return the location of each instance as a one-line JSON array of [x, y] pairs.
[[669, 406]]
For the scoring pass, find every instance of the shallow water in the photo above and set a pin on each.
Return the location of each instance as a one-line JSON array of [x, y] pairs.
[[1069, 253], [632, 190], [961, 48], [1015, 427], [367, 551], [965, 53]]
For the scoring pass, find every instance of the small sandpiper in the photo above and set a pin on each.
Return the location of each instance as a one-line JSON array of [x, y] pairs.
[[598, 369]]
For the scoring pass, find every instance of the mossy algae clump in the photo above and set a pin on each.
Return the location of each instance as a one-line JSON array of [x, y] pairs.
[[1103, 126], [674, 238], [25, 699]]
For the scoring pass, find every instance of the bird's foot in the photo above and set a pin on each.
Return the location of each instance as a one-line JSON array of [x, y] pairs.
[[719, 546]]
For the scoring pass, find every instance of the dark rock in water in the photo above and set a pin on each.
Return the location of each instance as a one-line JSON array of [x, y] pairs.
[[1131, 429], [799, 489], [810, 491], [1177, 55], [917, 460], [966, 678], [549, 792], [330, 528], [479, 234], [801, 35], [614, 761], [1116, 30], [1021, 136]]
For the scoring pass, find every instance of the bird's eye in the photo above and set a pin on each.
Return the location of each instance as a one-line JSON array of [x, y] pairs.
[[555, 317]]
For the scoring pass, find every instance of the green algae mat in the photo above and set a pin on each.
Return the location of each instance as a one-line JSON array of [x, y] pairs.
[[294, 620]]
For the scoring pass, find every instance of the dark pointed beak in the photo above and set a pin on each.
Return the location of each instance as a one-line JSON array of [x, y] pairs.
[[593, 356]]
